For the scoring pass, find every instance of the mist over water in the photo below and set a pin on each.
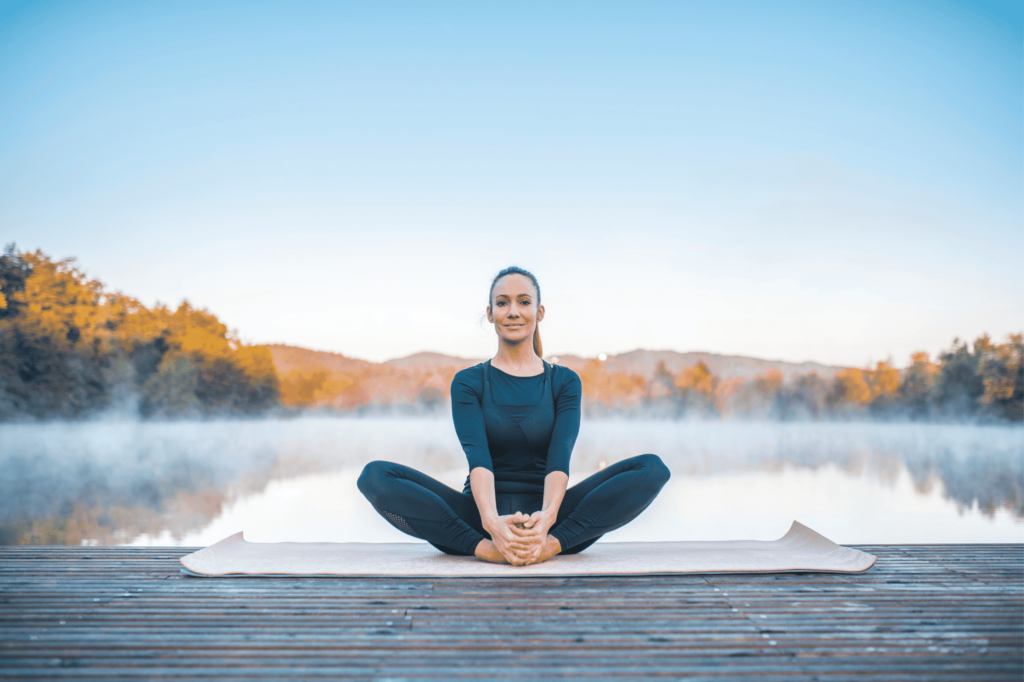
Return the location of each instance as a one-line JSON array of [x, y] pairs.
[[194, 482]]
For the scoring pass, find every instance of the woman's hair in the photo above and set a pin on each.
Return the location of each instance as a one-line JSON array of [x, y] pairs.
[[538, 348]]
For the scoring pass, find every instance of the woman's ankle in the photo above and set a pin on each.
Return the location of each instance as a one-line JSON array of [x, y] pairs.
[[487, 551], [552, 547]]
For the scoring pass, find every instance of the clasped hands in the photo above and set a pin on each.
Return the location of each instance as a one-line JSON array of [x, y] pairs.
[[520, 537]]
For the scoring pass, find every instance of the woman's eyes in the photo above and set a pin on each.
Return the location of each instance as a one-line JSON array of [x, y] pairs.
[[501, 303]]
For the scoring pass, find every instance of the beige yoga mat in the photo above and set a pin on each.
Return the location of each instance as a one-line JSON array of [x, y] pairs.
[[801, 549]]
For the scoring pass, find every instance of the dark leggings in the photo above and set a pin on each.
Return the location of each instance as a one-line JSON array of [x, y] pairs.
[[416, 504]]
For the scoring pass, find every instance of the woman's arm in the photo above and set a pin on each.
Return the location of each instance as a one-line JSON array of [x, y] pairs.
[[567, 423], [512, 541], [481, 481], [539, 523], [468, 417], [554, 490]]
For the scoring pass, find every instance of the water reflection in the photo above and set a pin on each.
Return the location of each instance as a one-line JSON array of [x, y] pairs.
[[193, 483]]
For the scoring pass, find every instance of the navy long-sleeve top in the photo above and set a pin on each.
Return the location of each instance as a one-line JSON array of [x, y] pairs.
[[519, 451]]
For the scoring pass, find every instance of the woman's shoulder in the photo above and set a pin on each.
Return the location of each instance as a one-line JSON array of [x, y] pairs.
[[563, 376], [471, 377]]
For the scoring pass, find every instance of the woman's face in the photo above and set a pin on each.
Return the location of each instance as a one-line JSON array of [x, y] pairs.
[[514, 310]]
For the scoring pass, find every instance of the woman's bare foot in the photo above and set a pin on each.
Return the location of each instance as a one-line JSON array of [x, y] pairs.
[[551, 548], [486, 551]]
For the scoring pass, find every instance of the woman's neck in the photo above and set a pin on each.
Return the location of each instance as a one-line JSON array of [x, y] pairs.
[[518, 360]]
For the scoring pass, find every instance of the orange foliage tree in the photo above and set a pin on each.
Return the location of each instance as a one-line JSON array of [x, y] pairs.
[[69, 347]]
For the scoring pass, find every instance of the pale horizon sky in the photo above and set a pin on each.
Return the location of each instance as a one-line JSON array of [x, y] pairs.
[[841, 183]]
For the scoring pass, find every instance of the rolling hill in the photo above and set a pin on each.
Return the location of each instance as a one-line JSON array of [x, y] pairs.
[[642, 362]]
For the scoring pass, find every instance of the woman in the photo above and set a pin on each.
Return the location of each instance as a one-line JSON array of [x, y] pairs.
[[517, 418]]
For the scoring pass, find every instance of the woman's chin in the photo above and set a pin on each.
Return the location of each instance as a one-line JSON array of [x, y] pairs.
[[515, 338], [515, 335]]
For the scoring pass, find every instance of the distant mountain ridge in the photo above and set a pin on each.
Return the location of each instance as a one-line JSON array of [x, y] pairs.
[[289, 358], [431, 360], [640, 361], [644, 362], [670, 384]]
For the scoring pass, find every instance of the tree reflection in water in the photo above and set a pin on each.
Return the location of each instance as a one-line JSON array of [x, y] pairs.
[[108, 482]]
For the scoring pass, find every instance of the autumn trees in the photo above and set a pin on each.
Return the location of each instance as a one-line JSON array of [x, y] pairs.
[[984, 382], [69, 348], [368, 386]]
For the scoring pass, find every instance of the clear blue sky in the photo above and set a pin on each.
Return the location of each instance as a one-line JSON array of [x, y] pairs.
[[833, 181]]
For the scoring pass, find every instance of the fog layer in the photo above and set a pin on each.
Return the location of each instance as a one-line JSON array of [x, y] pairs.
[[108, 482]]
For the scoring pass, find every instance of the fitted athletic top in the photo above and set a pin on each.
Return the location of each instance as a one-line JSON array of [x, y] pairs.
[[520, 428]]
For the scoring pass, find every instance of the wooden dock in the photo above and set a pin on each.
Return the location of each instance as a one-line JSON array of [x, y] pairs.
[[947, 612]]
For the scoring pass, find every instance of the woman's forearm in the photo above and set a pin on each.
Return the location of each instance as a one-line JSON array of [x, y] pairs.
[[554, 490], [481, 481]]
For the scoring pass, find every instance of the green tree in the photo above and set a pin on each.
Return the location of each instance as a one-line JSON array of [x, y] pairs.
[[959, 385], [1002, 374], [805, 398], [916, 387]]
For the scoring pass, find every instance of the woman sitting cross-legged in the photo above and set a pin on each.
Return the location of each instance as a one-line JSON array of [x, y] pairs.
[[517, 418]]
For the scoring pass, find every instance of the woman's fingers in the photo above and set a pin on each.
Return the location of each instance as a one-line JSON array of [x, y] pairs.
[[519, 539], [520, 548], [524, 532], [525, 549], [520, 521], [523, 546], [516, 532], [519, 551], [522, 551]]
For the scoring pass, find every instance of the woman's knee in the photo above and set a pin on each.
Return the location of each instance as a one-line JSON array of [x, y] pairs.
[[373, 479], [658, 474]]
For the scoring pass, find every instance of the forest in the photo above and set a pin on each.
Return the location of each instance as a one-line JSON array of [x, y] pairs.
[[69, 348], [982, 381]]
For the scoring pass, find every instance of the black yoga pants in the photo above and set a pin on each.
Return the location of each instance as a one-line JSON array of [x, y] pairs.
[[424, 508]]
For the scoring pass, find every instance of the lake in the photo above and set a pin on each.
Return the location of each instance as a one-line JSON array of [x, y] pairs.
[[194, 483]]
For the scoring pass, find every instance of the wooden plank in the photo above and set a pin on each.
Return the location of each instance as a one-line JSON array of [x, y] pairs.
[[923, 612]]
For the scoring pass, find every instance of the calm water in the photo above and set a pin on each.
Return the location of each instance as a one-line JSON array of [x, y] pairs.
[[194, 483]]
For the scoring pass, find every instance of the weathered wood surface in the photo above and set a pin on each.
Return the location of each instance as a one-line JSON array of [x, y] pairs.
[[947, 612]]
